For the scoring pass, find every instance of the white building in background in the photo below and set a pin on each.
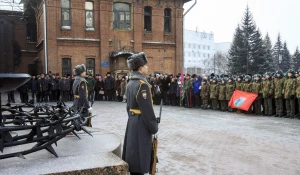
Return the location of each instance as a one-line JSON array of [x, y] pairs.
[[223, 47], [199, 51], [198, 46]]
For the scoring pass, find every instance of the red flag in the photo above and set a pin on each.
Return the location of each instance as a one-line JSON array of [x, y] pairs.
[[242, 100]]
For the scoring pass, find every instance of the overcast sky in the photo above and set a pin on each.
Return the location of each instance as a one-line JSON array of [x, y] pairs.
[[222, 16]]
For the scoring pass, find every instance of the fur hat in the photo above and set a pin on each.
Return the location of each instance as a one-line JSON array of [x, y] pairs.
[[137, 60], [79, 69]]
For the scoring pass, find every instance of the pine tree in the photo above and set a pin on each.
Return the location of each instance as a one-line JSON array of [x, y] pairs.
[[286, 59], [257, 54], [277, 49], [269, 63], [296, 59], [237, 54], [247, 53]]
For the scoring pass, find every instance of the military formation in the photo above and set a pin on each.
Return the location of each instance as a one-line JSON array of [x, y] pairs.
[[278, 92]]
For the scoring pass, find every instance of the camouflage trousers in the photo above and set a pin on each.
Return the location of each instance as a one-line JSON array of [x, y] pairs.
[[279, 106], [214, 103], [268, 106], [224, 104], [204, 103], [290, 106], [257, 107]]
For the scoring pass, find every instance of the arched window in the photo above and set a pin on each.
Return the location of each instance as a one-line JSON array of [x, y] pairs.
[[167, 22], [122, 16], [66, 66], [90, 66], [65, 13], [148, 19]]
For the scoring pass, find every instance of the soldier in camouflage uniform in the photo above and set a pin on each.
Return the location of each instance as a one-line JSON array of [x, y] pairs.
[[298, 93], [229, 91], [214, 93], [267, 92], [278, 93], [204, 93], [257, 88], [188, 85], [222, 94], [289, 90], [247, 87], [239, 85]]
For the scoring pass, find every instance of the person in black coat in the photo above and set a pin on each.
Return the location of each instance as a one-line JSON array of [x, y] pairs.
[[173, 91], [142, 123], [109, 86], [33, 88], [43, 87], [53, 88]]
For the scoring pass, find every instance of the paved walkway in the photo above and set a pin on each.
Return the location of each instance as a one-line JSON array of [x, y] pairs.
[[195, 141]]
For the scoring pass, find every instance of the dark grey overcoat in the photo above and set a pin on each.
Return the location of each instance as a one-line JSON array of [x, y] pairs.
[[80, 93], [141, 126]]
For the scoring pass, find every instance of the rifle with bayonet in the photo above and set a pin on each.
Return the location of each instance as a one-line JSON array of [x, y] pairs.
[[154, 158]]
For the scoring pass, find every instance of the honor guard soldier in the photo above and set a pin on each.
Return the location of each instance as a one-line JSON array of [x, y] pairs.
[[142, 123], [80, 91]]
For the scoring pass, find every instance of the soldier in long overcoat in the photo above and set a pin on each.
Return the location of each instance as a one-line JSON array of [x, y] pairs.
[[80, 90], [142, 123]]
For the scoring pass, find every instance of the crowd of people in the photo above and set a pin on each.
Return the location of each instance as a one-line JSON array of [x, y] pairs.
[[51, 88], [278, 93]]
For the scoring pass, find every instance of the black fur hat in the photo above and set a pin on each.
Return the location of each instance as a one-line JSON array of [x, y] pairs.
[[79, 69], [137, 60]]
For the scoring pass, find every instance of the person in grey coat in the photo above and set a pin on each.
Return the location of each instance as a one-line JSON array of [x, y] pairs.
[[142, 123], [80, 90]]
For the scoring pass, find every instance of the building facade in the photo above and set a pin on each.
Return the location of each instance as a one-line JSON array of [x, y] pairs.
[[198, 47], [102, 33], [17, 43]]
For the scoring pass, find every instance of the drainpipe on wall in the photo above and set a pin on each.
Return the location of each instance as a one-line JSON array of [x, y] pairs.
[[184, 32], [45, 37]]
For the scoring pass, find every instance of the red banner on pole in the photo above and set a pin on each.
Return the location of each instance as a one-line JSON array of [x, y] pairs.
[[242, 100]]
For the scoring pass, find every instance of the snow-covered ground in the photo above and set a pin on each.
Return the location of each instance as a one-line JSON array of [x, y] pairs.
[[196, 142]]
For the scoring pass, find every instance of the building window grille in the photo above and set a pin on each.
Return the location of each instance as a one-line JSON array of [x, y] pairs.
[[66, 66], [65, 13], [89, 14], [148, 19], [90, 66], [122, 16], [167, 22]]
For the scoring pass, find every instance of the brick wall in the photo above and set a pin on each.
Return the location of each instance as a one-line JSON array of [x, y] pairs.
[[163, 50]]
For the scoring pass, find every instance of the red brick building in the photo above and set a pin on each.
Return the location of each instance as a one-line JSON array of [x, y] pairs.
[[17, 43], [102, 33]]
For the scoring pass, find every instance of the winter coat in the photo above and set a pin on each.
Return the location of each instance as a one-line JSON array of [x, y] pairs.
[[267, 88], [53, 84], [43, 85], [196, 85], [99, 85], [188, 84], [247, 86], [33, 85], [123, 87], [278, 87], [117, 86], [173, 88], [91, 83], [23, 89], [239, 86], [298, 87], [64, 84], [229, 90], [204, 91], [165, 84], [141, 126], [257, 89], [80, 94], [289, 88], [214, 91], [222, 92], [109, 83], [179, 86]]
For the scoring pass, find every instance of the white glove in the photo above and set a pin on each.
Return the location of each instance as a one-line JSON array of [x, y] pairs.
[[90, 109]]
